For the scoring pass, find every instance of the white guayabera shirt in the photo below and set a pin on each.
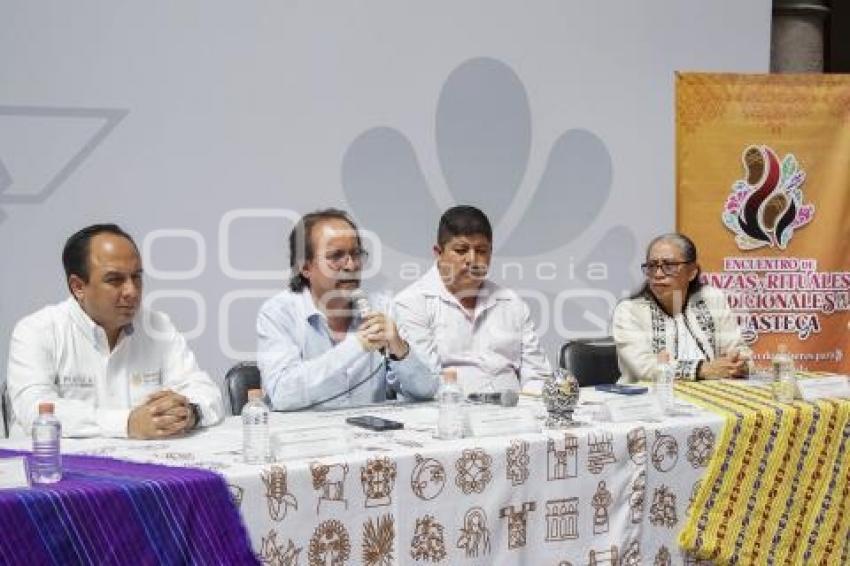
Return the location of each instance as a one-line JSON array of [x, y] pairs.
[[59, 354], [493, 348]]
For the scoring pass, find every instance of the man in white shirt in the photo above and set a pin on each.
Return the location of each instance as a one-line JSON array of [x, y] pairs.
[[111, 367], [455, 318], [316, 348]]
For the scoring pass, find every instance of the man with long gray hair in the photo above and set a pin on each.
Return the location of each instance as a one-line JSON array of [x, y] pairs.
[[323, 342]]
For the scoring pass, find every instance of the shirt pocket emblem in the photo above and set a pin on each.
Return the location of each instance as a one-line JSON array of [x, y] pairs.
[[143, 384], [71, 384]]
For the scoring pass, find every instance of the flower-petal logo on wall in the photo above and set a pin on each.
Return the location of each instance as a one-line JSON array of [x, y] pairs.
[[483, 145], [767, 206]]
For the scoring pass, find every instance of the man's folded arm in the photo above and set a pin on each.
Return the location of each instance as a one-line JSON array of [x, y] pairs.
[[411, 317], [533, 363], [183, 376]]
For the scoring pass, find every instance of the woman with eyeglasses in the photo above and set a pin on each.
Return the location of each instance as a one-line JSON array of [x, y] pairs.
[[675, 312]]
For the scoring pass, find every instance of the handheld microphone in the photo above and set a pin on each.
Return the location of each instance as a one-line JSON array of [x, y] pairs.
[[361, 302]]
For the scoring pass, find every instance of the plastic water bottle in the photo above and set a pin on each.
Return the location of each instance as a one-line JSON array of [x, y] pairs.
[[664, 375], [450, 399], [745, 354], [784, 378], [255, 429], [46, 462]]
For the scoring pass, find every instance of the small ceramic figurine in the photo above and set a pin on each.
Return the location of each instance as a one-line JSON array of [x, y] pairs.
[[560, 397]]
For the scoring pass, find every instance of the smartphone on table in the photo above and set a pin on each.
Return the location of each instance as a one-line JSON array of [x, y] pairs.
[[621, 389], [374, 423]]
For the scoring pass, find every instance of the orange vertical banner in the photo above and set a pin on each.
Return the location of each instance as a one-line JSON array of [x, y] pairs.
[[763, 188]]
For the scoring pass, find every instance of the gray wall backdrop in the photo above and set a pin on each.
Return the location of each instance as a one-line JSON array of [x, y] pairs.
[[204, 127]]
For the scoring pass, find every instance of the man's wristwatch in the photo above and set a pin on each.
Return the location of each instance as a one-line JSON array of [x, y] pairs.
[[395, 358], [196, 412]]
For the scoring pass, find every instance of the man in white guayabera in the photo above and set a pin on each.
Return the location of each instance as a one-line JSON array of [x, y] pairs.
[[110, 366], [323, 342], [456, 318]]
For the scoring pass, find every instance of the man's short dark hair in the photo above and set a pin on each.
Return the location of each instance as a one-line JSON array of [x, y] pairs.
[[75, 255], [463, 220], [301, 242]]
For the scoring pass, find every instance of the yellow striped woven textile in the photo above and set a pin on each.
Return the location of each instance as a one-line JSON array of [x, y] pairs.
[[777, 489]]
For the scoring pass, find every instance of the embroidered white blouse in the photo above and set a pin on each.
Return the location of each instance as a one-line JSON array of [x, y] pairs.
[[642, 329]]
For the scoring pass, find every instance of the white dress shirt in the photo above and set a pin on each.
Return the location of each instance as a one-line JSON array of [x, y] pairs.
[[302, 367], [492, 348], [59, 354]]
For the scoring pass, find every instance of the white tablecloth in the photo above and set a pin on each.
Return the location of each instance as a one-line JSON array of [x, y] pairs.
[[602, 493]]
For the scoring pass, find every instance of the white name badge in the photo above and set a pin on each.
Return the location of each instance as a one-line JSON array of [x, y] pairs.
[[13, 473], [300, 443], [835, 386], [634, 408], [501, 422]]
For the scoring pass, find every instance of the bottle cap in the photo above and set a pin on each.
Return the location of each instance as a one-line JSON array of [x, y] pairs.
[[255, 394], [45, 408], [450, 376]]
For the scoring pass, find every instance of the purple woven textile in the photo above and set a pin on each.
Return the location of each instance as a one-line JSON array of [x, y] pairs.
[[107, 511]]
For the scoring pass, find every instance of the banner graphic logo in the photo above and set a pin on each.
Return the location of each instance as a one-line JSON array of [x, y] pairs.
[[765, 207]]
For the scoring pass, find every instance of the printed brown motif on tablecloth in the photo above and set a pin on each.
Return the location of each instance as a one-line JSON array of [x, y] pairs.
[[428, 543], [378, 540], [601, 501], [692, 498], [330, 544], [600, 450], [474, 536], [636, 440], [665, 452], [637, 499], [517, 459], [236, 493], [517, 523], [608, 557], [273, 554], [562, 519], [277, 494], [473, 470], [700, 446], [378, 479], [662, 557], [99, 451], [427, 478], [177, 456], [155, 447], [631, 556], [662, 512], [212, 466], [329, 483], [562, 458], [691, 560]]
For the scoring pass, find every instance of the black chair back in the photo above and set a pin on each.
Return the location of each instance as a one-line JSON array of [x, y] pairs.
[[4, 410], [591, 360], [238, 380]]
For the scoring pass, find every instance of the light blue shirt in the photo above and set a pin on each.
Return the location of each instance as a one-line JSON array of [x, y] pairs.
[[302, 367]]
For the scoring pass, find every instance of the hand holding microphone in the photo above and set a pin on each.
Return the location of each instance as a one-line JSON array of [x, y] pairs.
[[377, 331]]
